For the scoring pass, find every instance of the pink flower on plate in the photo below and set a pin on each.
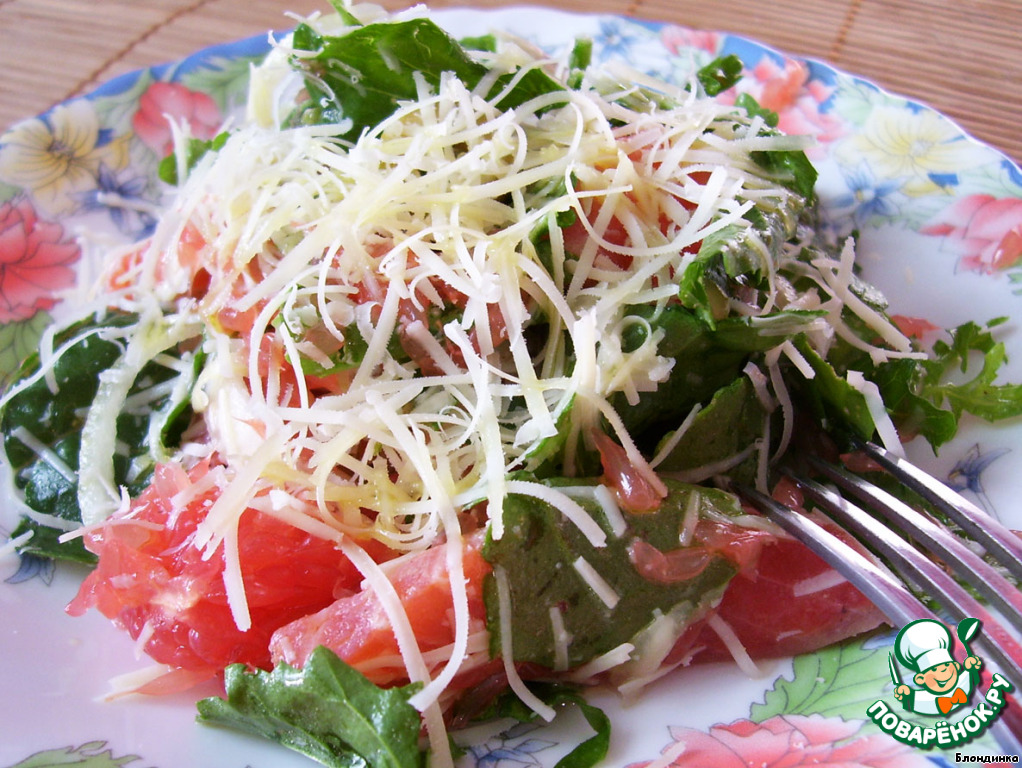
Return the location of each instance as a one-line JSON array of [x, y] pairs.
[[35, 261], [788, 741], [986, 230], [165, 102], [676, 39], [788, 90]]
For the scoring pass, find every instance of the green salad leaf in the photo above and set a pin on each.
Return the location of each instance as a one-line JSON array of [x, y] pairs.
[[703, 368], [720, 74], [928, 397], [791, 167], [731, 422], [708, 359], [195, 150], [327, 711], [730, 260], [539, 550], [346, 16], [362, 75], [924, 396], [587, 753], [747, 102], [42, 432], [831, 396]]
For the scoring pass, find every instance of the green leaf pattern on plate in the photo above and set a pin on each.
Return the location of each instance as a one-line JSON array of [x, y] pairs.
[[92, 754], [840, 681]]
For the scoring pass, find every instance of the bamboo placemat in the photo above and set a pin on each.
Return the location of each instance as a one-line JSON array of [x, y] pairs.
[[961, 57]]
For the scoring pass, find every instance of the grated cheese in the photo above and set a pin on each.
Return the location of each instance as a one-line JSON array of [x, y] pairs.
[[608, 503], [10, 547], [615, 657], [507, 651], [878, 412], [596, 582], [44, 452], [691, 519], [562, 638], [727, 634], [824, 581]]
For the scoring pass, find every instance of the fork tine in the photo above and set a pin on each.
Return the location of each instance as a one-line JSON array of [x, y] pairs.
[[890, 595], [956, 555], [927, 575], [875, 581], [997, 539]]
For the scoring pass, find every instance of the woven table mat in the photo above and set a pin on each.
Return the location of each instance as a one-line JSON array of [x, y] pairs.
[[961, 57]]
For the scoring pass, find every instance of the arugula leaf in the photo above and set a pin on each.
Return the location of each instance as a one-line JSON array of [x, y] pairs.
[[758, 334], [924, 398], [195, 150], [791, 168], [704, 285], [33, 417], [584, 755], [538, 550], [731, 422], [831, 396], [486, 43], [45, 543], [707, 367], [731, 259], [748, 102], [720, 74], [361, 76], [581, 54], [346, 16], [710, 357], [594, 749], [327, 710], [579, 60]]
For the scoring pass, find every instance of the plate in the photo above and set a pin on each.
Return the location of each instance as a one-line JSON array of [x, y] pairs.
[[939, 221]]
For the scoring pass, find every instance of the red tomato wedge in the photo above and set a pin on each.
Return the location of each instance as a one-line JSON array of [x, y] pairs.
[[357, 629], [784, 600], [792, 602], [154, 584]]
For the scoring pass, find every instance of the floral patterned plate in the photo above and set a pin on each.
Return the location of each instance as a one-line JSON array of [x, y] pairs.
[[940, 222]]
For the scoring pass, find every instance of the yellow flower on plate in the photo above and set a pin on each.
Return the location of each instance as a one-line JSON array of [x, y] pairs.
[[56, 157], [918, 147]]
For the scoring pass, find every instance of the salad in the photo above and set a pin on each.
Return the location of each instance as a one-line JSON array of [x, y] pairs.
[[418, 405]]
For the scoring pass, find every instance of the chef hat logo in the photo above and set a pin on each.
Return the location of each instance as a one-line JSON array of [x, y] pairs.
[[923, 644]]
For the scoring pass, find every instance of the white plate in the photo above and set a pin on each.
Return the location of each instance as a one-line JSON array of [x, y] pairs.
[[940, 218]]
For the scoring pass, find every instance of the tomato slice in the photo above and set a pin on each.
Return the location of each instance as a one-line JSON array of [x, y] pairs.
[[635, 492], [154, 583], [790, 602], [357, 629]]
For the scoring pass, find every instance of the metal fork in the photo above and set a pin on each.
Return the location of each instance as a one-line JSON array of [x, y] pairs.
[[924, 551]]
